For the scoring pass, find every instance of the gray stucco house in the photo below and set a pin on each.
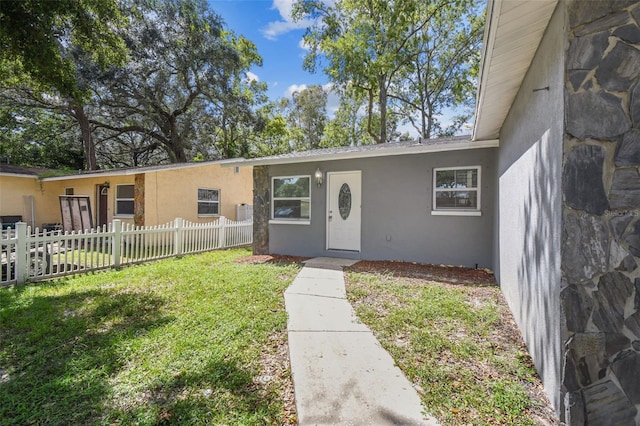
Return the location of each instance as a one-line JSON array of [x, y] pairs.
[[378, 202], [546, 192]]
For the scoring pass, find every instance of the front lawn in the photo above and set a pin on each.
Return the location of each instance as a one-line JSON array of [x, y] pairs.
[[175, 341]]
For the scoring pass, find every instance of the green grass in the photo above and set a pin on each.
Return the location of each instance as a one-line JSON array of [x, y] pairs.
[[443, 338], [175, 341]]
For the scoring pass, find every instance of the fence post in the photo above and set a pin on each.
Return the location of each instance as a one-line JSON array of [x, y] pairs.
[[222, 222], [178, 237], [22, 253], [117, 242]]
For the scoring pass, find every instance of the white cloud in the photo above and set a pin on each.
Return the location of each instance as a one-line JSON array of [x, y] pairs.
[[286, 24], [252, 77], [294, 88], [333, 100], [303, 45]]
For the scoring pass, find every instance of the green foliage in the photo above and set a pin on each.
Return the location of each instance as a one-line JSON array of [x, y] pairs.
[[35, 36], [308, 117], [178, 341], [38, 138], [184, 89]]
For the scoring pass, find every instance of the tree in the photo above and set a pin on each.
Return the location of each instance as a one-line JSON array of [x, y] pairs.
[[35, 36], [233, 112], [441, 70], [271, 135], [309, 115], [371, 46], [348, 127], [183, 77], [39, 138]]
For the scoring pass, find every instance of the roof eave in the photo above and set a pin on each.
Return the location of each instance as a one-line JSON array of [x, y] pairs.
[[134, 171], [507, 20], [418, 149]]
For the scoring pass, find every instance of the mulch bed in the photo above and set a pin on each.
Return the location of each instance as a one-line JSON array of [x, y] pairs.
[[272, 258], [441, 273]]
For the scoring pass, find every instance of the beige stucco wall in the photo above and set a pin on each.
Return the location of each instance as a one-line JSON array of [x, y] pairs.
[[168, 193], [13, 190], [174, 193], [84, 186]]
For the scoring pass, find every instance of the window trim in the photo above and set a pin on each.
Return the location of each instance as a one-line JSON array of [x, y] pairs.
[[116, 199], [293, 221], [477, 211], [209, 202]]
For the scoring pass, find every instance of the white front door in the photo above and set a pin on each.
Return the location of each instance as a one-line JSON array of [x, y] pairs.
[[344, 197]]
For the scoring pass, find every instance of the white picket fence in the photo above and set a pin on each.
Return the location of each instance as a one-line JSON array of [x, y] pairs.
[[27, 256]]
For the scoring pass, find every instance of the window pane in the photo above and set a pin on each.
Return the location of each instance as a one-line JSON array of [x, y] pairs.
[[467, 178], [124, 207], [125, 191], [208, 208], [456, 200], [291, 209], [445, 179], [207, 195], [463, 178], [291, 187]]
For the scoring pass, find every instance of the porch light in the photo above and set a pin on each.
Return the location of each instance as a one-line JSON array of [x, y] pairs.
[[106, 184], [319, 176]]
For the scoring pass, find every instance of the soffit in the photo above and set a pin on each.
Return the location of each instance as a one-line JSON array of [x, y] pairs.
[[513, 33]]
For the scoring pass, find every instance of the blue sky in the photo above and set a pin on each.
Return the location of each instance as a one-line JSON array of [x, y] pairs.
[[268, 24]]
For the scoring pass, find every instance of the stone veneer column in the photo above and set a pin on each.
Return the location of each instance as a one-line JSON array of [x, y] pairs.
[[138, 200], [600, 296], [261, 209]]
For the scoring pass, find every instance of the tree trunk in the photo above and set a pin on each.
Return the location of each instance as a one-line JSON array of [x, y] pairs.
[[177, 153], [85, 132], [382, 101], [374, 135]]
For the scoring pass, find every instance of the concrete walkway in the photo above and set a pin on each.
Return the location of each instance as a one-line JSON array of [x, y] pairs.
[[341, 374]]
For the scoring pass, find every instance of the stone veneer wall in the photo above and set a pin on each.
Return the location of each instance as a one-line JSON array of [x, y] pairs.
[[261, 209], [600, 296]]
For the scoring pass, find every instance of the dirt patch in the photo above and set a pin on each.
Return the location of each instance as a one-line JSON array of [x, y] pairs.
[[275, 370]]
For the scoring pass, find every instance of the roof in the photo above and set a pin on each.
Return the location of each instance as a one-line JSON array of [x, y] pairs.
[[133, 170], [513, 32], [367, 151], [22, 171]]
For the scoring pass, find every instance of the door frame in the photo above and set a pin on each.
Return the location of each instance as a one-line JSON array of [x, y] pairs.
[[102, 204], [328, 205]]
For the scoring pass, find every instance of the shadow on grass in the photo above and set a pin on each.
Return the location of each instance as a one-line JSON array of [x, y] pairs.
[[58, 352], [61, 355], [221, 392]]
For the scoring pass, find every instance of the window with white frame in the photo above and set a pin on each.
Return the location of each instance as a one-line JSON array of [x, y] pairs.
[[208, 202], [124, 200], [456, 189], [291, 198]]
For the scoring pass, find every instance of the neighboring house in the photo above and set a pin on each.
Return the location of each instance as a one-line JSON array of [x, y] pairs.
[[546, 193], [149, 196]]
